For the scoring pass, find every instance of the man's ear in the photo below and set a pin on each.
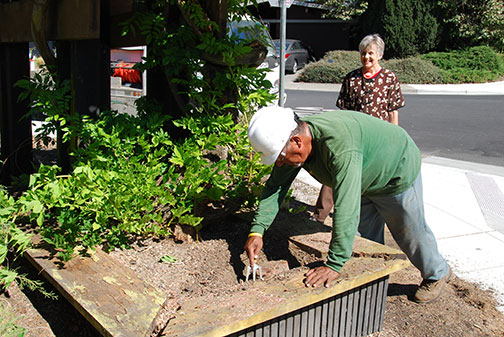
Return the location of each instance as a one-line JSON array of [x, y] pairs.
[[297, 141]]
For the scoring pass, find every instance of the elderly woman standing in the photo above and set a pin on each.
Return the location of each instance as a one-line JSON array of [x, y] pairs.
[[371, 89]]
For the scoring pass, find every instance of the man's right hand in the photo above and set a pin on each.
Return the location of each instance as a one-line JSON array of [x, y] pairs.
[[253, 247]]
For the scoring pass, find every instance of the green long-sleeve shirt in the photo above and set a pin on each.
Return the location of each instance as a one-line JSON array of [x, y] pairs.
[[356, 154]]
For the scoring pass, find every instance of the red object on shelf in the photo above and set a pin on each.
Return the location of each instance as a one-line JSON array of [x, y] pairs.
[[126, 73]]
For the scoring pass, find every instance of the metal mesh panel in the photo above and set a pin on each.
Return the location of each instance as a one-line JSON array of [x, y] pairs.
[[357, 312]]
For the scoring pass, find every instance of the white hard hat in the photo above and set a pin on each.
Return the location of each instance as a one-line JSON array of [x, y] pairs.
[[269, 130]]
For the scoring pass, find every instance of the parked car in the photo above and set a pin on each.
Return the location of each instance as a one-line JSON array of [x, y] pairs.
[[297, 54]]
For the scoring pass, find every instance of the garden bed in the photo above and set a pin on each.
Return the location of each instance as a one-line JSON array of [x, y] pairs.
[[213, 268]]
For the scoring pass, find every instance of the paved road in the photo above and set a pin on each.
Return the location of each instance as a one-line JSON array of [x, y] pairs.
[[462, 127]]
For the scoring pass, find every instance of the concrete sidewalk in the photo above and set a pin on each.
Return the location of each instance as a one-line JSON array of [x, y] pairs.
[[464, 207]]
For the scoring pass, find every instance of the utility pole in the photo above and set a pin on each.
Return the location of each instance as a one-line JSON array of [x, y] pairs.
[[283, 19]]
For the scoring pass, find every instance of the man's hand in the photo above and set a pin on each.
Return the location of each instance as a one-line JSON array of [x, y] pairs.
[[253, 247], [320, 275]]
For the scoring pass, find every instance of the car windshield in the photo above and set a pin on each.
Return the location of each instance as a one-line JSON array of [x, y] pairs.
[[277, 45], [248, 30]]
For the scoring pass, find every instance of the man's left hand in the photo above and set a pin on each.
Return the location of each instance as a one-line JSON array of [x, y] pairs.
[[320, 275]]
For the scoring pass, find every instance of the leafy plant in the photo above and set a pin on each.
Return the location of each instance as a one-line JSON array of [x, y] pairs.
[[323, 72], [130, 178], [50, 99], [14, 241], [471, 65], [168, 259], [344, 9], [471, 23]]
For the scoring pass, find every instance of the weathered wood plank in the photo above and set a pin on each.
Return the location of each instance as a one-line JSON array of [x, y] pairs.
[[317, 243], [109, 295]]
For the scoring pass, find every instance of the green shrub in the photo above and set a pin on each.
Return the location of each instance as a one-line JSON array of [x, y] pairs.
[[470, 23], [414, 70], [321, 72], [471, 65], [468, 76], [348, 59], [332, 68], [407, 26], [130, 179], [132, 176]]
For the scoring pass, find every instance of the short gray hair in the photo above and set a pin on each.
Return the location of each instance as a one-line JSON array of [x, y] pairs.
[[372, 39]]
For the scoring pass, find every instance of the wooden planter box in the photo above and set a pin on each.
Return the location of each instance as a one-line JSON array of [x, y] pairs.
[[118, 303], [356, 312]]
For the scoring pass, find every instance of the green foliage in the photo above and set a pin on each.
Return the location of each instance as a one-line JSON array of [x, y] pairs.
[[168, 259], [347, 59], [206, 65], [334, 66], [321, 72], [471, 65], [9, 323], [15, 241], [414, 70], [50, 98], [407, 26], [467, 23], [131, 178], [344, 9]]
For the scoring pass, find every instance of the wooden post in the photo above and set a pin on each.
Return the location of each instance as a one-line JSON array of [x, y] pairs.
[[91, 76], [16, 134], [86, 63]]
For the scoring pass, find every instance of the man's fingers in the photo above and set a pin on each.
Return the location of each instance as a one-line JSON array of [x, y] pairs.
[[319, 276], [313, 280], [253, 247]]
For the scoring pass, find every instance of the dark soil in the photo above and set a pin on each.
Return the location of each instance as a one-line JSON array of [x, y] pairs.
[[215, 265]]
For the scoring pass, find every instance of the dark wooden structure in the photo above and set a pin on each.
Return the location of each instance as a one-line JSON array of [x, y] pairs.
[[84, 32]]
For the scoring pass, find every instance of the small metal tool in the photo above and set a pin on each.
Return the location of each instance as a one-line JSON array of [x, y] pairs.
[[254, 269]]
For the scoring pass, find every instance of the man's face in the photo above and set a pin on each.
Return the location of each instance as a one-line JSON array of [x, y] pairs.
[[292, 154]]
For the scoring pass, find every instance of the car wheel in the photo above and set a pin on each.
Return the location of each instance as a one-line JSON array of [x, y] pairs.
[[295, 67]]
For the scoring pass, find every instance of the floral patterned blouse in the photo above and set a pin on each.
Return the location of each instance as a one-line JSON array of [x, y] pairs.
[[377, 96]]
